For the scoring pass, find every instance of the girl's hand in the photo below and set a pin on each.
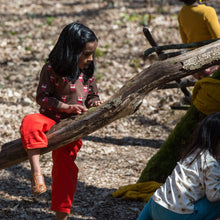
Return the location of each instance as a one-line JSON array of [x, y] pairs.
[[77, 109], [96, 103]]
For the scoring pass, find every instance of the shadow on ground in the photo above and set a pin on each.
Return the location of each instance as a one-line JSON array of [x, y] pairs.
[[95, 203]]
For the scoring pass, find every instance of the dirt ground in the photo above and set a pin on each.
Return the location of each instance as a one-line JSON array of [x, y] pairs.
[[112, 156]]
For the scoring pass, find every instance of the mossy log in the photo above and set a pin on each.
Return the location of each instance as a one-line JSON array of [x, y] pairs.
[[125, 101]]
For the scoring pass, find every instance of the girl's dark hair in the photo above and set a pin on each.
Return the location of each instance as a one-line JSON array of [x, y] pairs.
[[205, 137], [188, 2], [65, 54]]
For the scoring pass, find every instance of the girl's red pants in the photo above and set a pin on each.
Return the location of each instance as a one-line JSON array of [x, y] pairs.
[[64, 171]]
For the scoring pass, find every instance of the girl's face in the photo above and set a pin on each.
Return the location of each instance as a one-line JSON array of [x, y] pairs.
[[86, 56]]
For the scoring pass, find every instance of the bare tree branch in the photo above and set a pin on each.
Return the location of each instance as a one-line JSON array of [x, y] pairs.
[[158, 49]]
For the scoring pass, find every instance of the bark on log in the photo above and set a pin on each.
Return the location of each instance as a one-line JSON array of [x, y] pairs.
[[125, 102]]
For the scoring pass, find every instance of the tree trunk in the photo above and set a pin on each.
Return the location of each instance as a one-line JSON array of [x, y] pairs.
[[125, 102]]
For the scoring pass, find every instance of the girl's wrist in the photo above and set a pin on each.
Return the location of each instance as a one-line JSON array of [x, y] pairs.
[[63, 107]]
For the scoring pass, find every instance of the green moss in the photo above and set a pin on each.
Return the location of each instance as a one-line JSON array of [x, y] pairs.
[[92, 109]]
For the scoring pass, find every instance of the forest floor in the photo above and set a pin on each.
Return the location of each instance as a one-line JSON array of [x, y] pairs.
[[112, 156]]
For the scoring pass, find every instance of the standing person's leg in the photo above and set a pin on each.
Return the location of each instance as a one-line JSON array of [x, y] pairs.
[[33, 138], [64, 176]]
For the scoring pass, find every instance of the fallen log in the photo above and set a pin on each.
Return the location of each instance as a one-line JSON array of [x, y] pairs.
[[125, 102]]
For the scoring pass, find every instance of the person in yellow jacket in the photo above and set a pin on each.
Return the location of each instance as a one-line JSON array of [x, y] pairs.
[[198, 22]]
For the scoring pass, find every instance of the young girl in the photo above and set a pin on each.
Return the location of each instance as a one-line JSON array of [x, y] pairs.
[[192, 191], [198, 22], [66, 88]]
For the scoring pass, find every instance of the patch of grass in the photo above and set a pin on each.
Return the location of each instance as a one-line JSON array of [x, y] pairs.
[[134, 63], [8, 32], [134, 16], [126, 42], [13, 33], [7, 77], [49, 20], [143, 19], [5, 32], [99, 52], [159, 10], [20, 40], [98, 76], [107, 46], [124, 16], [129, 17], [28, 48], [146, 19]]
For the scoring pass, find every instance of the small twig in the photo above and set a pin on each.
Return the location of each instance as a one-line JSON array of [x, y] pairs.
[[165, 56], [185, 83], [179, 107]]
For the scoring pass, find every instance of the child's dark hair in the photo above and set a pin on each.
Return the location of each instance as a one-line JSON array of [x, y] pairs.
[[205, 137], [65, 54], [188, 2]]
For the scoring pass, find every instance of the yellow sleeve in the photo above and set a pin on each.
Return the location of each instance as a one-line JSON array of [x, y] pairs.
[[212, 23]]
